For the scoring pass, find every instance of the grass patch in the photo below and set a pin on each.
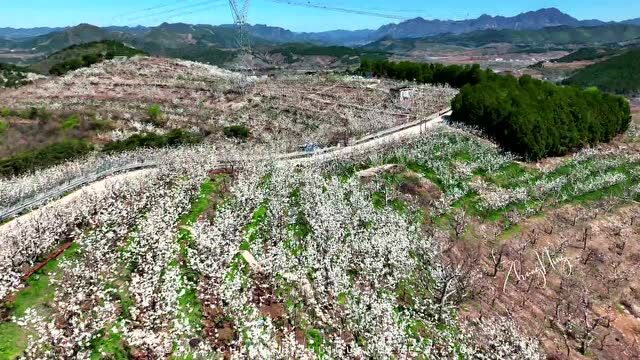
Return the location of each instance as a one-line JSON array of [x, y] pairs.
[[511, 232], [316, 342], [38, 294], [511, 176], [13, 341], [3, 126], [204, 200], [111, 345], [190, 306], [38, 291], [70, 123]]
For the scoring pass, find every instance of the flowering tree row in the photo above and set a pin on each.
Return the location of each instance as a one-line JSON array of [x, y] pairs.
[[296, 265]]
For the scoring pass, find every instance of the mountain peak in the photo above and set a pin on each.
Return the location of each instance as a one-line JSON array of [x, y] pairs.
[[532, 20], [551, 10]]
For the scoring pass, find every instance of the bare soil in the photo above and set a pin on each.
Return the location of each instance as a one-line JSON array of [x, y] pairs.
[[567, 278]]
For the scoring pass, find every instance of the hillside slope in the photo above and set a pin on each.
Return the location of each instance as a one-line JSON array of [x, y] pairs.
[[77, 56], [619, 74]]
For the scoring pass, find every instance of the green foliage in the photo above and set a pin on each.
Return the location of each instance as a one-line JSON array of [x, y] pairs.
[[619, 74], [34, 113], [12, 341], [316, 341], [237, 131], [454, 75], [71, 122], [290, 51], [85, 55], [173, 138], [3, 126], [536, 119], [12, 76], [111, 344], [155, 114], [48, 156], [528, 117], [588, 53]]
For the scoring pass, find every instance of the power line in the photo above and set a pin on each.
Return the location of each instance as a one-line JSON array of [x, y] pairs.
[[174, 10], [184, 13], [156, 7], [337, 9]]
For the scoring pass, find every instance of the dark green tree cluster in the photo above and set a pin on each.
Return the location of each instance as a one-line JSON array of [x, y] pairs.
[[535, 119], [85, 55], [588, 53], [77, 63], [240, 132], [12, 76], [619, 74], [454, 75], [531, 118], [173, 138], [71, 149], [51, 155]]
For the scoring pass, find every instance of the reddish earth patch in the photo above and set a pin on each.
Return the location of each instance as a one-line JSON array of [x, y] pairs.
[[567, 279], [54, 255], [414, 188], [218, 330]]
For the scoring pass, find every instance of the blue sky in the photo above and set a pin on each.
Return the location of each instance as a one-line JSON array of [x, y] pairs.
[[30, 13]]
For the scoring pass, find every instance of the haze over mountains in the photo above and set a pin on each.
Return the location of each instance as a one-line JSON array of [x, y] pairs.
[[414, 28]]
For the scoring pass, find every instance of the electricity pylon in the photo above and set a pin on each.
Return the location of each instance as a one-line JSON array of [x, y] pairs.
[[240, 12]]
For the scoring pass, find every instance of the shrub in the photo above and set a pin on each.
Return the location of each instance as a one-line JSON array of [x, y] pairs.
[[155, 115], [51, 155], [175, 137], [97, 123], [237, 131], [33, 113], [71, 123], [3, 126]]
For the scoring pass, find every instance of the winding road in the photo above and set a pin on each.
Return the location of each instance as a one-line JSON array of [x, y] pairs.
[[98, 180]]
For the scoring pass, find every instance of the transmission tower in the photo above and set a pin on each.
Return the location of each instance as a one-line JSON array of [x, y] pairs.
[[240, 12]]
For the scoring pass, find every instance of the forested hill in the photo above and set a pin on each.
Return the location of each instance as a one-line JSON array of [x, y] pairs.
[[558, 36], [528, 117], [83, 55], [619, 74]]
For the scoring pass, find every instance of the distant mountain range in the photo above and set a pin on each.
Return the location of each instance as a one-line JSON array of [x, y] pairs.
[[632, 22], [550, 37], [209, 43], [414, 28]]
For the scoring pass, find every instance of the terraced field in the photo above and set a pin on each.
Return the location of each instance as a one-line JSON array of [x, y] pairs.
[[433, 245], [387, 253], [285, 111]]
